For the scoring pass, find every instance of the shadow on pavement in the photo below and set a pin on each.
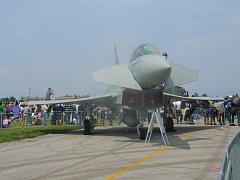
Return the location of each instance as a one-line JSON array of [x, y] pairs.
[[156, 140]]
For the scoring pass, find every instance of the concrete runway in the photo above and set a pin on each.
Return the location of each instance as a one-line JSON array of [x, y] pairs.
[[116, 153]]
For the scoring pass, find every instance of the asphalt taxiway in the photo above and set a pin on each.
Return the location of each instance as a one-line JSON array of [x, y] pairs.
[[195, 152]]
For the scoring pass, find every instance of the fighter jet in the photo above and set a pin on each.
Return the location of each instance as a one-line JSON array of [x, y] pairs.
[[138, 86]]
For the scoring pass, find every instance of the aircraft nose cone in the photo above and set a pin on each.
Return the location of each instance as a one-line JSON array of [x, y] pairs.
[[165, 70], [152, 71], [160, 73]]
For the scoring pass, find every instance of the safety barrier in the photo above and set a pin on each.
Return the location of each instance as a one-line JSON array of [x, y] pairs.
[[5, 119], [67, 117], [40, 118], [231, 161], [224, 116], [1, 120], [54, 117]]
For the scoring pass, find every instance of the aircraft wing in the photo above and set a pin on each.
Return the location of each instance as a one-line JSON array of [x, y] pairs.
[[103, 99], [118, 75], [180, 75], [193, 98]]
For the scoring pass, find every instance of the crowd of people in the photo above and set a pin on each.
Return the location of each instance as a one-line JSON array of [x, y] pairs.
[[75, 114], [8, 112], [212, 112], [57, 113]]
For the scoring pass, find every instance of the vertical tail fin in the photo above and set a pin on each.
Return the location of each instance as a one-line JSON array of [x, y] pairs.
[[116, 55]]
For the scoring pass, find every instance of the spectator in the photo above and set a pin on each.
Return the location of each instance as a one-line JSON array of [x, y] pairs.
[[206, 112], [213, 112], [68, 113], [179, 114], [15, 109], [102, 116], [49, 93], [228, 104], [49, 109], [237, 106], [38, 115], [81, 113], [193, 107], [110, 116], [60, 109], [184, 109], [220, 112], [43, 108], [54, 115], [39, 118], [2, 107], [73, 117], [26, 115]]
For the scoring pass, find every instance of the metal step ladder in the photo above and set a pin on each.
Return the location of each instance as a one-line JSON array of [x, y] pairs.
[[156, 117]]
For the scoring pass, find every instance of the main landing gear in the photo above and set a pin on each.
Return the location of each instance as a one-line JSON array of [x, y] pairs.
[[141, 131], [169, 125], [167, 116]]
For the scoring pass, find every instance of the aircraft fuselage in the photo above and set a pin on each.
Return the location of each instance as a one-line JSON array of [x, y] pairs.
[[150, 70]]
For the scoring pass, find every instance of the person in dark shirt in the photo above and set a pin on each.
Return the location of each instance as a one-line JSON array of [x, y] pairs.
[[237, 107], [2, 107], [54, 115], [206, 112], [194, 105], [49, 93], [82, 112], [60, 109], [229, 106]]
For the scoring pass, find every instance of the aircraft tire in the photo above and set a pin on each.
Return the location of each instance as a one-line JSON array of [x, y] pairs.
[[142, 133], [87, 127], [170, 125]]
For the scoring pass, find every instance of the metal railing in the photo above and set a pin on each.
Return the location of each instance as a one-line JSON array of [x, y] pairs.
[[224, 115], [1, 120], [41, 118], [5, 119], [53, 118], [230, 169], [67, 117]]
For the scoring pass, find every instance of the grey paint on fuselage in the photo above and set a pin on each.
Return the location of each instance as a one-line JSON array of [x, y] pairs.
[[150, 70]]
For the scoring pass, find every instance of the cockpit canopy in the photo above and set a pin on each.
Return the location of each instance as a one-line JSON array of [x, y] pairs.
[[144, 49]]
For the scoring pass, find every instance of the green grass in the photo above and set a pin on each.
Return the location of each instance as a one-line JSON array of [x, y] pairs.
[[16, 132]]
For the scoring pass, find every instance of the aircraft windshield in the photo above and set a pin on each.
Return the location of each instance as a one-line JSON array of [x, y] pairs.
[[144, 49]]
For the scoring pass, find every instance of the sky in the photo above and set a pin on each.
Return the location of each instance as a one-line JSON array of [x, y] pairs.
[[59, 43]]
